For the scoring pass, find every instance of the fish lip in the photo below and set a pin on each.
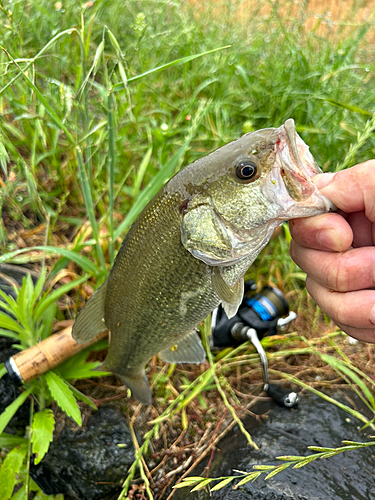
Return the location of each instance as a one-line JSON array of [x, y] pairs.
[[297, 173], [295, 167]]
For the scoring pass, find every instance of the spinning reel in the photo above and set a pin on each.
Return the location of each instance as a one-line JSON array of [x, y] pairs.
[[258, 315]]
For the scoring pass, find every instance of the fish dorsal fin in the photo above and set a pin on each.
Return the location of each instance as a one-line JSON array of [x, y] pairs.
[[187, 350], [231, 296], [90, 321], [139, 386]]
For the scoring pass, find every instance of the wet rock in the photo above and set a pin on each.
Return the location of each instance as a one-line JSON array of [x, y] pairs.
[[348, 476], [86, 463]]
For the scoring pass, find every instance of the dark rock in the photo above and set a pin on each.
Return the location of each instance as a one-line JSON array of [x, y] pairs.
[[348, 476], [86, 463]]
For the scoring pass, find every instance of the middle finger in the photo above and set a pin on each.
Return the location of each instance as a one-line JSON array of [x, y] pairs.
[[341, 271]]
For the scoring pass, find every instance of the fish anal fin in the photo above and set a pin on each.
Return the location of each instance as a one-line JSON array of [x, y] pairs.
[[90, 321], [231, 296], [139, 386], [187, 350]]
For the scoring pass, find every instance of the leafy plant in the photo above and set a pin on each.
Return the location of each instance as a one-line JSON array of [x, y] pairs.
[[296, 462], [27, 319]]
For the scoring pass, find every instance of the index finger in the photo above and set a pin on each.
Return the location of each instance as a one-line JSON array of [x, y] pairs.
[[351, 190], [323, 232]]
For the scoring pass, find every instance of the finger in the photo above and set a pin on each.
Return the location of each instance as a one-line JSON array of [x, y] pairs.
[[351, 190], [353, 309], [362, 229], [360, 334], [323, 232], [342, 272]]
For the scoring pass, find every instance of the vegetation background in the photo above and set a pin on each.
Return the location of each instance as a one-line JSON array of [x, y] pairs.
[[100, 103]]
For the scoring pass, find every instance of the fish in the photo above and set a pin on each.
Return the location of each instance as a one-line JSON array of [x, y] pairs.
[[190, 247]]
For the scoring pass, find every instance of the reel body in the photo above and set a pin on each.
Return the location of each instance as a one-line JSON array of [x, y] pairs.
[[259, 315]]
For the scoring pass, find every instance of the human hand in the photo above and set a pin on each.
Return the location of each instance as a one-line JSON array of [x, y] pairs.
[[337, 252]]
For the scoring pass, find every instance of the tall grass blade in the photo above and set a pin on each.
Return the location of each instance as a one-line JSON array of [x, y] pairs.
[[75, 257], [87, 196], [111, 162], [176, 62]]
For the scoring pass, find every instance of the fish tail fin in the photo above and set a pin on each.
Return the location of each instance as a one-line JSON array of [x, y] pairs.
[[90, 321], [139, 386]]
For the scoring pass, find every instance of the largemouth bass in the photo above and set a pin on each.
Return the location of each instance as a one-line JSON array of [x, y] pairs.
[[189, 249]]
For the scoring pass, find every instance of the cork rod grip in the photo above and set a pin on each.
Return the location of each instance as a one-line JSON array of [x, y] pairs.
[[49, 353]]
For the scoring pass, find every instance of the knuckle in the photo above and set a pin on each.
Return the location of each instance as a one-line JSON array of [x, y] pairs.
[[340, 314], [339, 272]]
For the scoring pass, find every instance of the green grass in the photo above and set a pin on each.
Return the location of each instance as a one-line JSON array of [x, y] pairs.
[[101, 104]]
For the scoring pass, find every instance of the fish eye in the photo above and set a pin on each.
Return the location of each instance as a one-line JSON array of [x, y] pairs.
[[246, 169]]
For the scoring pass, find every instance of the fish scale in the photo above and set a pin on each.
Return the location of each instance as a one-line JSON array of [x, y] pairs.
[[190, 247], [148, 303]]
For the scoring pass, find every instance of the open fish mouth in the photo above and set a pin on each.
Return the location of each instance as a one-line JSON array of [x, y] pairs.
[[298, 166]]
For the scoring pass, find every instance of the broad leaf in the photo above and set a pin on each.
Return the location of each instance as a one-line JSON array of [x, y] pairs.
[[42, 433], [63, 396], [10, 467]]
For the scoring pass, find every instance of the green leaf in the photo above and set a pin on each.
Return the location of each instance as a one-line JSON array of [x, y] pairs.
[[21, 494], [50, 298], [82, 397], [42, 433], [251, 477], [151, 189], [83, 371], [77, 258], [302, 463], [12, 408], [189, 481], [202, 484], [63, 396], [9, 441], [89, 203], [3, 370], [223, 483], [10, 467], [344, 367], [8, 323], [97, 56], [76, 366], [176, 62], [278, 469], [290, 458], [343, 105]]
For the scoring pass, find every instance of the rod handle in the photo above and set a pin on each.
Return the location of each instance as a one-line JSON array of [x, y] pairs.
[[38, 359]]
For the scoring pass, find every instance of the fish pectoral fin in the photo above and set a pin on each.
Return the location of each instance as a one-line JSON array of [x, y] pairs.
[[90, 321], [139, 386], [231, 296], [187, 350]]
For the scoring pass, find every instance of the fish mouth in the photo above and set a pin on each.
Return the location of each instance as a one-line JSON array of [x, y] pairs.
[[297, 167]]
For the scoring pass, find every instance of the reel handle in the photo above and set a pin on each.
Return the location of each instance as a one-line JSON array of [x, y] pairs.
[[282, 398]]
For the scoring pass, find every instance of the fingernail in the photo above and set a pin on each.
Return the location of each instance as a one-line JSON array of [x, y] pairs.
[[372, 315], [329, 239], [322, 180]]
